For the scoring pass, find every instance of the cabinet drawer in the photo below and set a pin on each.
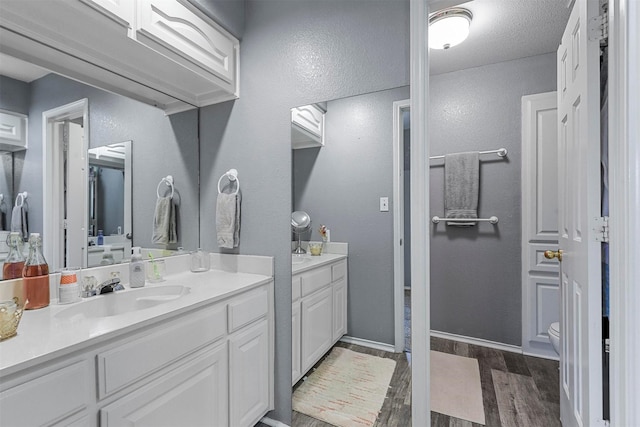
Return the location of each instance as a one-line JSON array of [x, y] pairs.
[[295, 288], [315, 280], [338, 271], [57, 395], [150, 351], [246, 309]]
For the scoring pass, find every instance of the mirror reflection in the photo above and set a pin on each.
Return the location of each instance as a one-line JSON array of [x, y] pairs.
[[69, 217]]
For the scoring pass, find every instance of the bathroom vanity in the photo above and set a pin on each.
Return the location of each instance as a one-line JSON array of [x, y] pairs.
[[319, 308], [194, 350]]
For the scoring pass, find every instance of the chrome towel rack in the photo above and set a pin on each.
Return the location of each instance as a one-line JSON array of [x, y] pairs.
[[20, 198], [166, 180], [232, 176], [501, 152], [493, 220]]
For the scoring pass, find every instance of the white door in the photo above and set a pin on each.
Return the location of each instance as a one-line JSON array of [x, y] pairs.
[[540, 276], [579, 206], [74, 190]]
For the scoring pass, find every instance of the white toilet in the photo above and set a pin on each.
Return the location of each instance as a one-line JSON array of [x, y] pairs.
[[554, 336]]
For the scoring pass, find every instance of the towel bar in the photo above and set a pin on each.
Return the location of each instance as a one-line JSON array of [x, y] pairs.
[[493, 220], [167, 180], [501, 152]]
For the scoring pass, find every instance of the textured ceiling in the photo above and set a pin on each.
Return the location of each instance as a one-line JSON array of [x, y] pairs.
[[502, 30]]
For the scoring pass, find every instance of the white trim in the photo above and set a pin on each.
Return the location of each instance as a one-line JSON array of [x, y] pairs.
[[273, 423], [399, 107], [51, 194], [624, 199], [477, 341], [370, 344], [420, 270]]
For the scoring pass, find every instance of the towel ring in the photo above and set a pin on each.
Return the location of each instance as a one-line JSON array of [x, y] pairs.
[[231, 175], [166, 180], [20, 198]]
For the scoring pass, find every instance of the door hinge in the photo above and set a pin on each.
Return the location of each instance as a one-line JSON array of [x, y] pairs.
[[607, 344], [64, 224], [599, 27], [601, 228]]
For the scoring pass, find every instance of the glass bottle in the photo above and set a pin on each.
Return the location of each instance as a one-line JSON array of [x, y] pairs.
[[14, 264], [36, 275]]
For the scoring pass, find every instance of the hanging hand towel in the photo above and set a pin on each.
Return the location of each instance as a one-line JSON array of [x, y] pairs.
[[461, 184], [228, 220], [164, 222], [19, 221]]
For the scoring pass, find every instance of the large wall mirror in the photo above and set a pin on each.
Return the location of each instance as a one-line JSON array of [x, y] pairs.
[[130, 148]]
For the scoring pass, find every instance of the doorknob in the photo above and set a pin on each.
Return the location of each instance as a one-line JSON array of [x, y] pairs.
[[553, 254]]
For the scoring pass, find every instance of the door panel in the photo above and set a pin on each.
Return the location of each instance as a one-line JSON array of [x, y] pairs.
[[579, 206]]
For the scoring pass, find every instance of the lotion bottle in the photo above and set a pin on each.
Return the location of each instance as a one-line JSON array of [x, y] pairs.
[[136, 269]]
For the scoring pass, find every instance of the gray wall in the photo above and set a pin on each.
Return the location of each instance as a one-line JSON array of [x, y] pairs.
[[161, 145], [14, 95], [228, 13], [110, 200], [475, 272], [293, 53], [340, 185]]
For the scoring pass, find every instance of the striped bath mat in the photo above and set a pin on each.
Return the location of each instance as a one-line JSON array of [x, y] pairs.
[[346, 390]]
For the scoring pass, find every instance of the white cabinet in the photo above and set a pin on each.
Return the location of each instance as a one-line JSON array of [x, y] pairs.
[[307, 126], [317, 326], [165, 53], [249, 375], [59, 394], [194, 394], [209, 366], [13, 131], [319, 314]]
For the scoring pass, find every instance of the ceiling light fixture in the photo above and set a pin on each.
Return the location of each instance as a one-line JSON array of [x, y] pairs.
[[449, 27]]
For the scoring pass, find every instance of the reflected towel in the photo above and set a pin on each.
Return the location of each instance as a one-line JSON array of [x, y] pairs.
[[164, 222], [19, 221], [461, 184], [228, 220]]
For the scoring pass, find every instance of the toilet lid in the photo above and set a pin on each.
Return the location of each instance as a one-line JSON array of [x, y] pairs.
[[555, 328]]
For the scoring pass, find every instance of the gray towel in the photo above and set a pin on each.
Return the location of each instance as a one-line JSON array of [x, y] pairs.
[[164, 222], [19, 221], [228, 220], [461, 183]]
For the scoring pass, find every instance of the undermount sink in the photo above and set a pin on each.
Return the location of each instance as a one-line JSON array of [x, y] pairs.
[[299, 259], [123, 302]]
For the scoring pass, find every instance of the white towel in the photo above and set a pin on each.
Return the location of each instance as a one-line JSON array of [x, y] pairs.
[[461, 185], [164, 222], [228, 220], [19, 221]]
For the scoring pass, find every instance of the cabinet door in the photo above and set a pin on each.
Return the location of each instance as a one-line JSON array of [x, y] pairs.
[[121, 11], [178, 32], [249, 375], [339, 309], [295, 342], [317, 326], [194, 394]]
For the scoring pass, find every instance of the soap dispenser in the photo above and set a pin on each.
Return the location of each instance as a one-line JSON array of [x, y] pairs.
[[136, 269], [107, 256]]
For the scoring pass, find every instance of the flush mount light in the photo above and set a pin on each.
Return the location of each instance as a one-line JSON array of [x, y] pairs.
[[449, 27]]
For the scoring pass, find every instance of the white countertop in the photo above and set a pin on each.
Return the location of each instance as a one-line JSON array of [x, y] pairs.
[[310, 261], [42, 336]]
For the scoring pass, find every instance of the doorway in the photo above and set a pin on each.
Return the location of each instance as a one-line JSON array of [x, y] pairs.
[[66, 139]]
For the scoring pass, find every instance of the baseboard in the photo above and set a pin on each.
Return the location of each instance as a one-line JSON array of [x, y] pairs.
[[477, 341], [371, 344], [273, 423]]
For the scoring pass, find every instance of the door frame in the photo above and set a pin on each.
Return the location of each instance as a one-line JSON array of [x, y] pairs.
[[624, 169], [52, 170], [624, 205], [399, 107]]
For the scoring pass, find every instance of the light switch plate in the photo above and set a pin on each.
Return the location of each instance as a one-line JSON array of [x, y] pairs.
[[384, 204]]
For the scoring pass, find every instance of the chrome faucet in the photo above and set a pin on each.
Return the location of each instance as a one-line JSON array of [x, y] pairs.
[[108, 286]]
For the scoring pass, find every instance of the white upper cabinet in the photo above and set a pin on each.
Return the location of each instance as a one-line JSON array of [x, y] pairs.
[[121, 11], [166, 53], [13, 131], [307, 126]]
